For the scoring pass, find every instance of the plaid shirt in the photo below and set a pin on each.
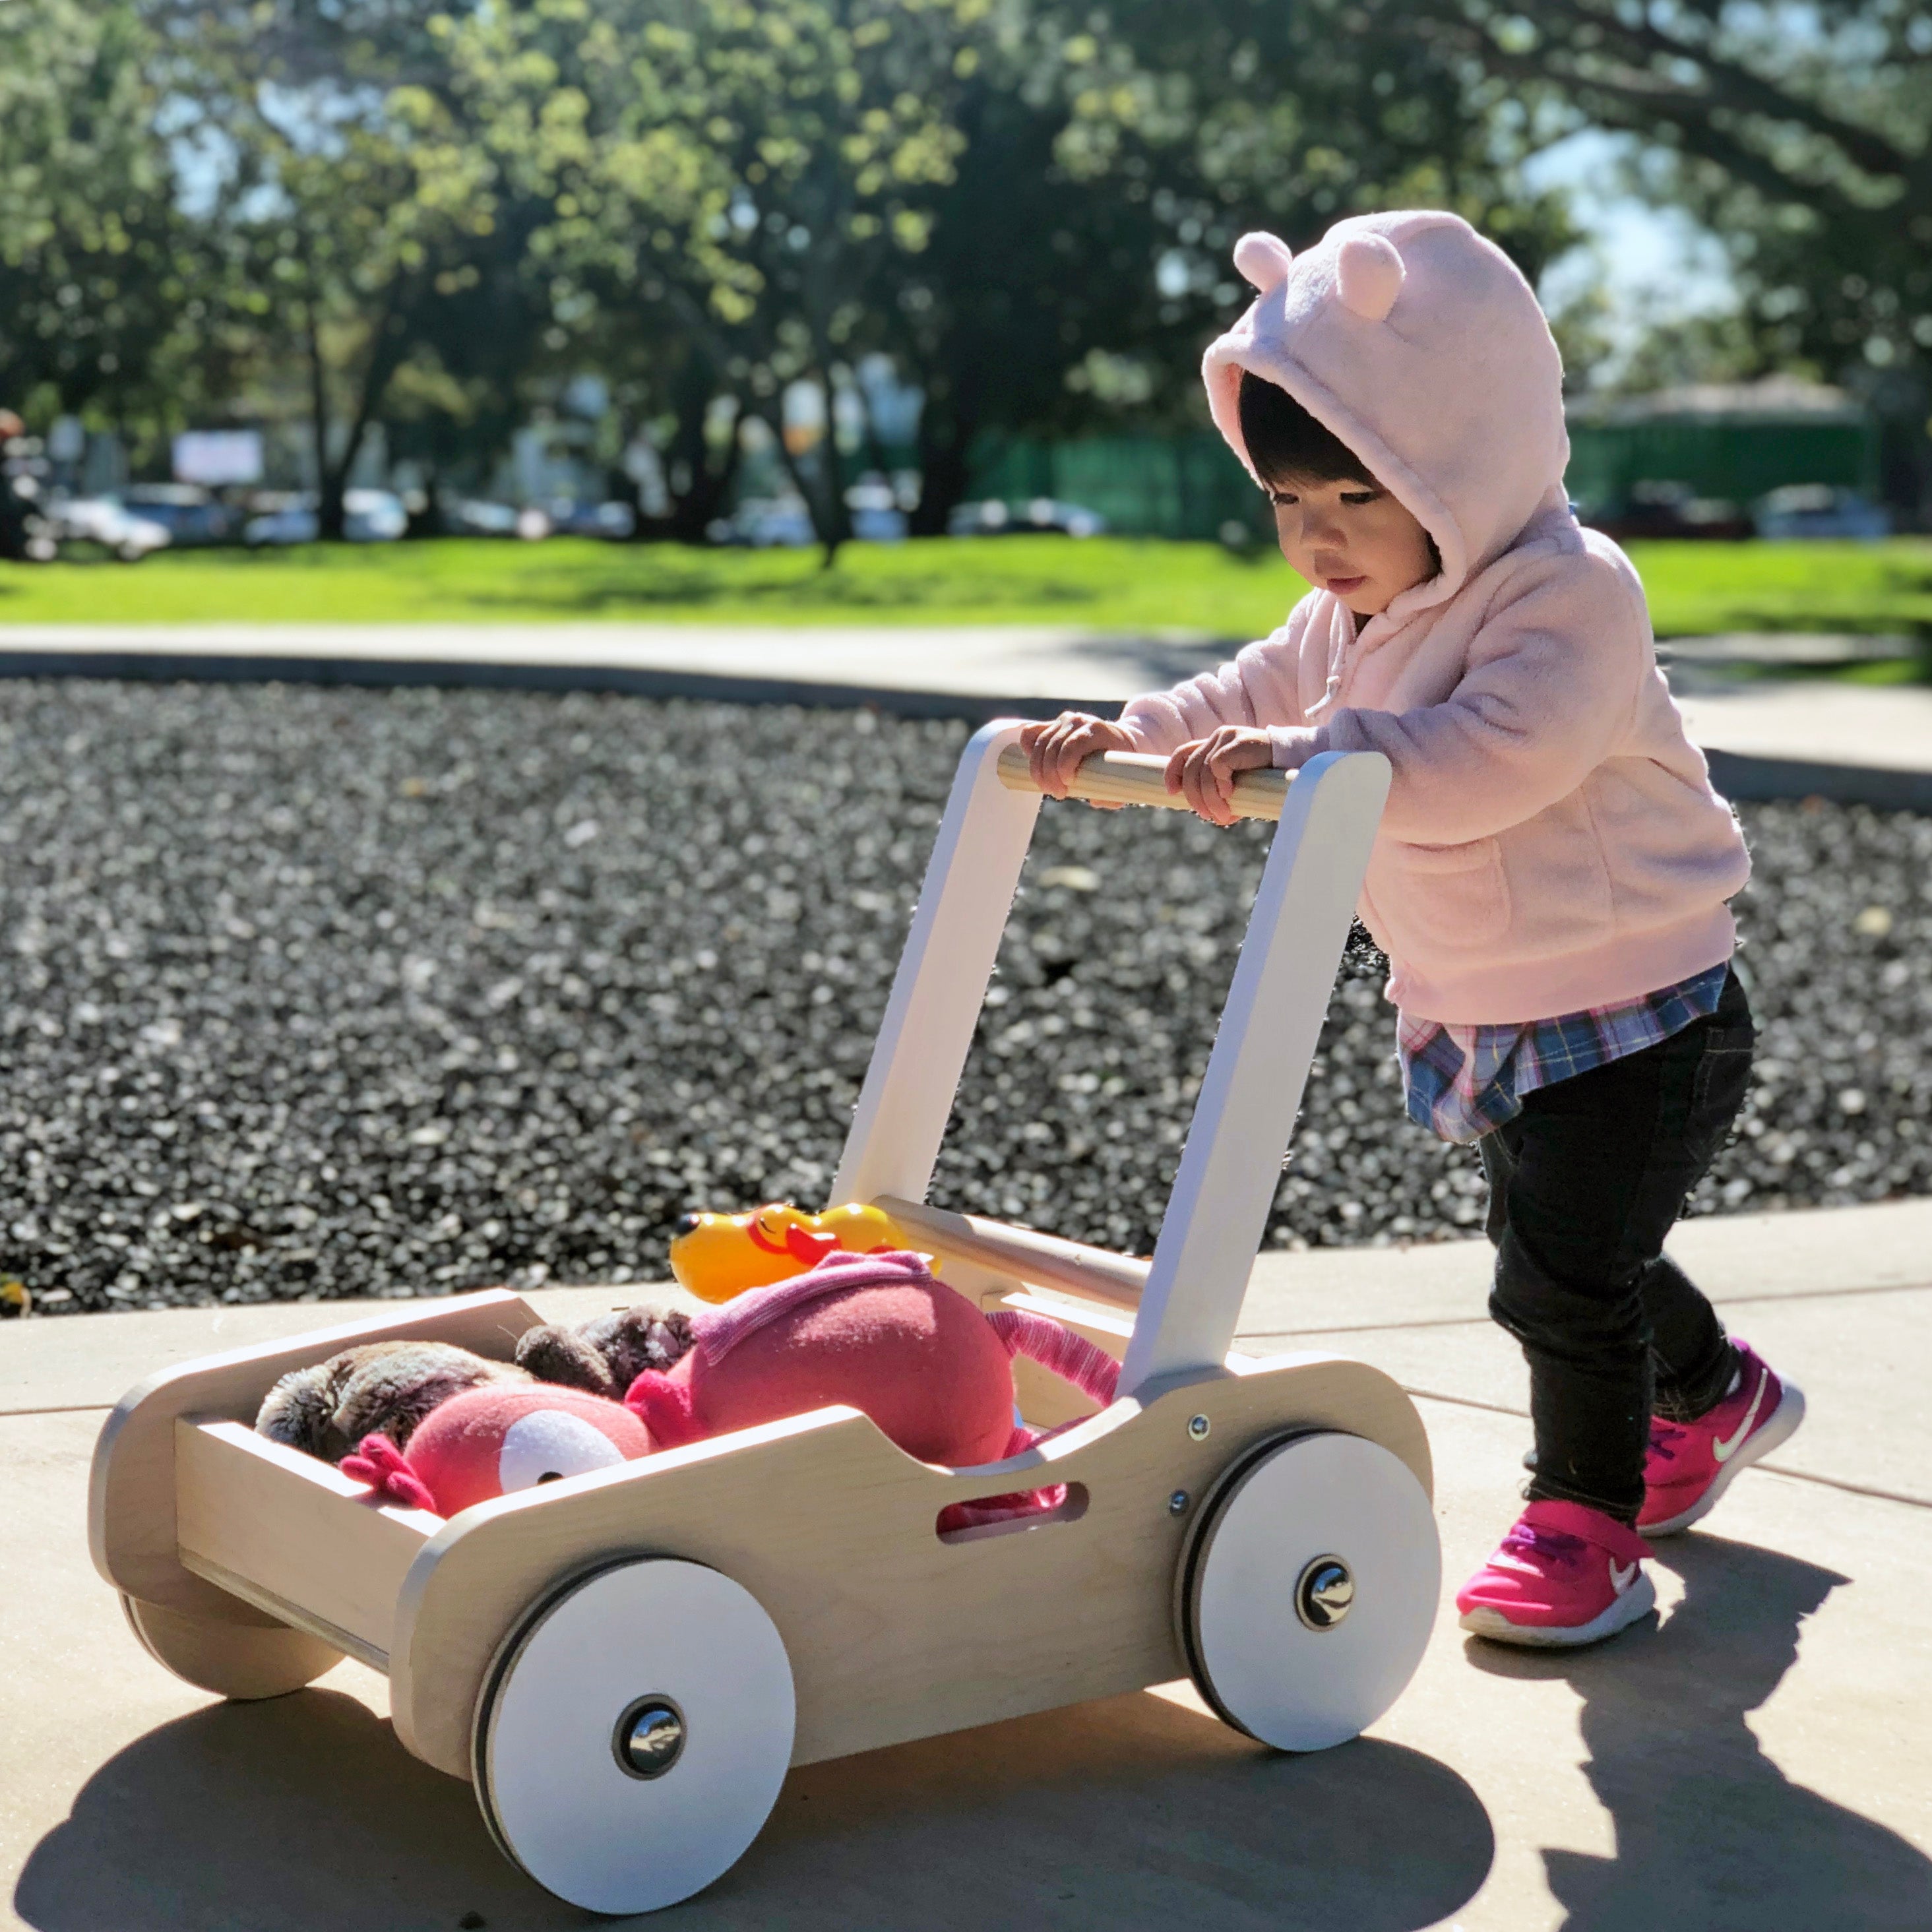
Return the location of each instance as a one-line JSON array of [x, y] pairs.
[[1464, 1082]]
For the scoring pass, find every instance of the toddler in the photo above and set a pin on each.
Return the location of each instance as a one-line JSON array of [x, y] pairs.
[[1551, 877]]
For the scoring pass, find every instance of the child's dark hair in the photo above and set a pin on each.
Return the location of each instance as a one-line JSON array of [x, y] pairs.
[[1285, 444]]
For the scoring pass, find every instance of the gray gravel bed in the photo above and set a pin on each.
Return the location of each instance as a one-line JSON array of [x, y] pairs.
[[309, 993]]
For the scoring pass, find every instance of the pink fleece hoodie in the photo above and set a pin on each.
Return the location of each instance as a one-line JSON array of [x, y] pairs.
[[1552, 840]]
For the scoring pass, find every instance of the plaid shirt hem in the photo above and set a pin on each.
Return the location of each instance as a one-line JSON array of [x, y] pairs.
[[1465, 1081]]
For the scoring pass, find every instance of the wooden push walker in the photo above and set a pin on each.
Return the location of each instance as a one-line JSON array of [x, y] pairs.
[[626, 1662]]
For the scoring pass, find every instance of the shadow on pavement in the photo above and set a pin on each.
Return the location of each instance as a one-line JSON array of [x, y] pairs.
[[305, 1812], [1710, 1833]]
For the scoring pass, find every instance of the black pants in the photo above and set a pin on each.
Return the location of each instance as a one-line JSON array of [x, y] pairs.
[[1584, 1185]]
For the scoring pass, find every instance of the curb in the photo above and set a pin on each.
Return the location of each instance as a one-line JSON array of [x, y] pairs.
[[1737, 775]]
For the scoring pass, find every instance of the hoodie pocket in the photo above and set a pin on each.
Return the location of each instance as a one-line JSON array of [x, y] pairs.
[[1446, 898]]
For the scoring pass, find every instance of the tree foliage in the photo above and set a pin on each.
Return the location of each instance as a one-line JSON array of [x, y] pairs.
[[430, 213], [371, 268], [97, 263], [1800, 135]]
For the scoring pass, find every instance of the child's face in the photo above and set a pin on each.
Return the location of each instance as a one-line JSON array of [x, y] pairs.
[[1352, 539]]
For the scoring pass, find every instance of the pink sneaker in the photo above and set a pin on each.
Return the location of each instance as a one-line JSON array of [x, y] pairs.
[[1690, 1464], [1565, 1574]]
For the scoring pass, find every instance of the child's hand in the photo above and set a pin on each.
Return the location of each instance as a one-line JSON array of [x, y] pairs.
[[1054, 750], [1204, 772]]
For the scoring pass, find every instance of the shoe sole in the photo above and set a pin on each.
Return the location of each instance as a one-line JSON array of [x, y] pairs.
[[1639, 1600], [1777, 1431]]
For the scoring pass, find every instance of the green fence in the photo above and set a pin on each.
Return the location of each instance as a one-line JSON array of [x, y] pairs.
[[1181, 486], [1191, 486], [1738, 458]]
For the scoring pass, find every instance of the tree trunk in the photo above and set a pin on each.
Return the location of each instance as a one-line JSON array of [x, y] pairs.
[[945, 438], [385, 356], [704, 496], [328, 515], [819, 484]]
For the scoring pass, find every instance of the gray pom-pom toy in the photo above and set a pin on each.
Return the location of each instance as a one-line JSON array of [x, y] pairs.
[[607, 1353], [387, 1387]]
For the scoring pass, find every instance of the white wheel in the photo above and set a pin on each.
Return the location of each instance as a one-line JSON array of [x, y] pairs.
[[1309, 1590], [245, 1662], [632, 1736]]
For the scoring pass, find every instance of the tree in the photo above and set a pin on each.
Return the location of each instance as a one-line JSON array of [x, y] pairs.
[[1027, 205], [738, 173], [363, 241], [1802, 137], [1107, 163], [96, 260]]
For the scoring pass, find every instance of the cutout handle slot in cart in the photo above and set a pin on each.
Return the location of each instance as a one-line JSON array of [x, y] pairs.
[[625, 1663]]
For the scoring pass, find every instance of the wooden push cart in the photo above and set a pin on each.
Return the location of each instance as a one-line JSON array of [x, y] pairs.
[[625, 1663]]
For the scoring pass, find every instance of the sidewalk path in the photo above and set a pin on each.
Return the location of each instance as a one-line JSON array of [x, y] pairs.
[[1860, 742], [1758, 1757]]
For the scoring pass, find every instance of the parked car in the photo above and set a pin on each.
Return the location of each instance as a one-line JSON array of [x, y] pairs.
[[1669, 509], [1820, 510], [765, 523], [369, 516], [476, 517], [192, 517], [877, 515], [614, 521], [108, 522], [1043, 516]]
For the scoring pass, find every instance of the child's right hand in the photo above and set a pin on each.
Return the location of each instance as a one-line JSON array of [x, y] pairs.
[[1056, 749]]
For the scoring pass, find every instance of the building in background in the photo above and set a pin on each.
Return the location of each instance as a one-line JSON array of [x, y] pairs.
[[1703, 460]]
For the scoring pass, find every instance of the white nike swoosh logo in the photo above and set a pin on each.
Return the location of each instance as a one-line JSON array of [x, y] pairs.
[[1621, 1574], [1724, 1451]]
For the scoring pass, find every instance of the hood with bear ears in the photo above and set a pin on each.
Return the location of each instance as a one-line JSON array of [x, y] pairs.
[[1420, 344]]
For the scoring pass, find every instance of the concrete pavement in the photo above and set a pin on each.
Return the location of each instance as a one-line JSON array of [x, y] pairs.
[[1756, 1758]]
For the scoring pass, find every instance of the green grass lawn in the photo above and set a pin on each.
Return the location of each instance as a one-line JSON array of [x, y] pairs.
[[1108, 583]]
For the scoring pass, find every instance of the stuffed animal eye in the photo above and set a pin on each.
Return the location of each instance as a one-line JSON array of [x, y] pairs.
[[549, 1443]]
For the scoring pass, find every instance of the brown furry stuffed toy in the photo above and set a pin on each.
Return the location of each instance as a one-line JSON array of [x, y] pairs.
[[384, 1387], [607, 1354]]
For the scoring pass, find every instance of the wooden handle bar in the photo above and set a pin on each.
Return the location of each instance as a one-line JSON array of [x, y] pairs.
[[1137, 777], [1044, 1260]]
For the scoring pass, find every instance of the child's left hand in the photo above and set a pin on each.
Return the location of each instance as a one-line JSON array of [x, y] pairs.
[[1204, 772]]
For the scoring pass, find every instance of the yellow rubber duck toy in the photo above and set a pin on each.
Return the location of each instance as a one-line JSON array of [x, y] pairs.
[[717, 1256]]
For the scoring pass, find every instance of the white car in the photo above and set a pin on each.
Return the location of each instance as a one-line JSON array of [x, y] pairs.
[[106, 521], [1820, 510], [369, 516], [766, 523], [877, 514], [1043, 516]]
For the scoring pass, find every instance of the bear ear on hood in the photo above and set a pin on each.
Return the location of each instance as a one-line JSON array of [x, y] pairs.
[[1263, 259], [1368, 276]]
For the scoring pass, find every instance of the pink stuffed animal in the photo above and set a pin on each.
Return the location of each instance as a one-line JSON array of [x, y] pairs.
[[875, 1332], [494, 1441]]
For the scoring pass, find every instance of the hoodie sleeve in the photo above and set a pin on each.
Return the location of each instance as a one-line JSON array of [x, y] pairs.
[[1260, 688], [1552, 686]]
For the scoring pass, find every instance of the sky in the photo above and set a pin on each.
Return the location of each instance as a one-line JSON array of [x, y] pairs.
[[1654, 264]]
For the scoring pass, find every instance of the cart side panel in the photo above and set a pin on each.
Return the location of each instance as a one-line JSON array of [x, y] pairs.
[[892, 1634], [131, 1528], [293, 1536]]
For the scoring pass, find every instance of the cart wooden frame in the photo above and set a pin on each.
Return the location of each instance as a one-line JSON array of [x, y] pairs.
[[249, 1568]]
